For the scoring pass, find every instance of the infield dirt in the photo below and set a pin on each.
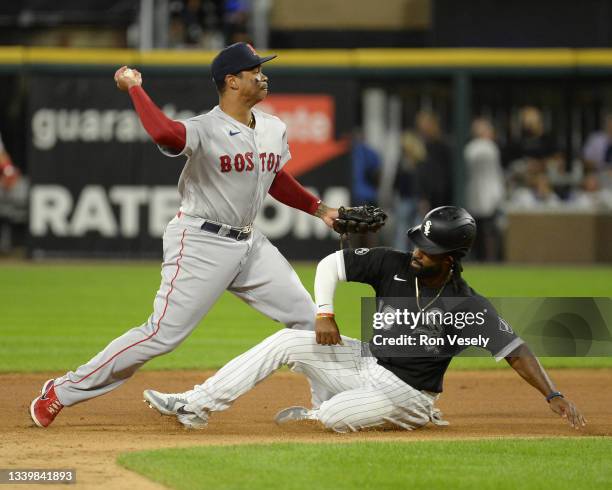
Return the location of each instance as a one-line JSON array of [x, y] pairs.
[[88, 437]]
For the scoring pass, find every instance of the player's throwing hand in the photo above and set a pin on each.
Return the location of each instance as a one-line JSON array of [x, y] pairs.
[[127, 78]]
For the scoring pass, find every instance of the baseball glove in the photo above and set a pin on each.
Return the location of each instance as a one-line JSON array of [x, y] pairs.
[[360, 219]]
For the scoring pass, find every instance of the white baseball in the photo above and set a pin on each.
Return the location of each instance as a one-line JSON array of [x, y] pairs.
[[129, 73]]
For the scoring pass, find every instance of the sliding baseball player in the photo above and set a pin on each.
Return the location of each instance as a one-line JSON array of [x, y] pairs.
[[357, 385]]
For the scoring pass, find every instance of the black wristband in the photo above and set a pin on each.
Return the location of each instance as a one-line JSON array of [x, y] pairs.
[[554, 394]]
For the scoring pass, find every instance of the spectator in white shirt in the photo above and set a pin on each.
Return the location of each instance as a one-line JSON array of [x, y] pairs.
[[485, 190], [591, 196]]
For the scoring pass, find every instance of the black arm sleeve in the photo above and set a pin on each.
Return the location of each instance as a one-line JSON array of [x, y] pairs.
[[502, 339]]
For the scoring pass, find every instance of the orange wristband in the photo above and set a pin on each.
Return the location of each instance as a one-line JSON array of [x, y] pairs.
[[325, 315]]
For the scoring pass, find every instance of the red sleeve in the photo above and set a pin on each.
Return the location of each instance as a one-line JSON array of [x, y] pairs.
[[164, 131], [289, 191]]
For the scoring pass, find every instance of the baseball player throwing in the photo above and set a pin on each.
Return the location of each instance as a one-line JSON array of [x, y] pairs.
[[235, 156], [360, 385]]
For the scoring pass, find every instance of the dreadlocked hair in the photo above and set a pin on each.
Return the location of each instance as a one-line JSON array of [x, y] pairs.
[[455, 275]]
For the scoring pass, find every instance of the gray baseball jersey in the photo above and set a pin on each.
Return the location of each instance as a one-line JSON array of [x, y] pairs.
[[230, 166], [229, 170]]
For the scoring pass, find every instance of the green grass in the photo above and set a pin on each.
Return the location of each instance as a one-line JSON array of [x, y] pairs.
[[55, 317], [489, 464]]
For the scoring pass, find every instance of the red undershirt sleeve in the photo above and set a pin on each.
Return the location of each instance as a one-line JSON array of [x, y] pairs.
[[172, 134], [289, 191], [164, 131]]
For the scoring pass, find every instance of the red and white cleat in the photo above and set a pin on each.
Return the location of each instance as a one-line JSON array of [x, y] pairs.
[[45, 408]]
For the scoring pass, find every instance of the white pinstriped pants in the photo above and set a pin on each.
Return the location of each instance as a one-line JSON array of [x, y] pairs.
[[356, 392]]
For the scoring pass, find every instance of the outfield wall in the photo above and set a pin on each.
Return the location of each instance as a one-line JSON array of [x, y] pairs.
[[99, 187]]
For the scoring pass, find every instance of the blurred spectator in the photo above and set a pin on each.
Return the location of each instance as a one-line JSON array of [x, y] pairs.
[[366, 172], [13, 199], [533, 142], [176, 32], [367, 167], [406, 215], [208, 24], [235, 21], [535, 152], [193, 18], [435, 176], [591, 196], [484, 188], [597, 152], [537, 195]]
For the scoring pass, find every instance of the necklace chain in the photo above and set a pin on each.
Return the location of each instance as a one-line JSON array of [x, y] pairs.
[[418, 294]]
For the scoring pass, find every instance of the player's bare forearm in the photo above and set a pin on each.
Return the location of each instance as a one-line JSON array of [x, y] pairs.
[[529, 368], [527, 365], [327, 214], [322, 210]]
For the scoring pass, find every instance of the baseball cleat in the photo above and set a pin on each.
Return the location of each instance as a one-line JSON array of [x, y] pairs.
[[45, 408], [294, 413], [164, 403], [190, 419]]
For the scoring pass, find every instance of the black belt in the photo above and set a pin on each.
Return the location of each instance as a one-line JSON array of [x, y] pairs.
[[235, 233]]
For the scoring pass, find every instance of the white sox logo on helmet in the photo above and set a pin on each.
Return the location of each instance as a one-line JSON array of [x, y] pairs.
[[427, 228]]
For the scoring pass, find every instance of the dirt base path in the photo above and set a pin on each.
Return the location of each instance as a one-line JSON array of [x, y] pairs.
[[89, 436]]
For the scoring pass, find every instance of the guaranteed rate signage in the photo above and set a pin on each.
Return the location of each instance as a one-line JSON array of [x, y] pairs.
[[100, 187]]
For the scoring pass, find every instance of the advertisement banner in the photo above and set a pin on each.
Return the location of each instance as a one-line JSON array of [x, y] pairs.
[[100, 187]]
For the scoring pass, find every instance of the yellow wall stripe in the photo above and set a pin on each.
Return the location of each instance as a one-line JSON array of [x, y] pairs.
[[465, 57], [12, 55], [594, 57], [189, 58], [80, 56], [357, 58]]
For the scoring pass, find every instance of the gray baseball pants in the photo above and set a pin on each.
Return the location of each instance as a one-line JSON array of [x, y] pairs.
[[197, 267]]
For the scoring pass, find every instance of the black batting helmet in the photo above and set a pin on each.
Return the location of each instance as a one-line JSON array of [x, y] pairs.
[[445, 230]]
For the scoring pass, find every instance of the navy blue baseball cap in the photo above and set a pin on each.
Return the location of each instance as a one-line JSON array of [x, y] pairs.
[[236, 58]]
